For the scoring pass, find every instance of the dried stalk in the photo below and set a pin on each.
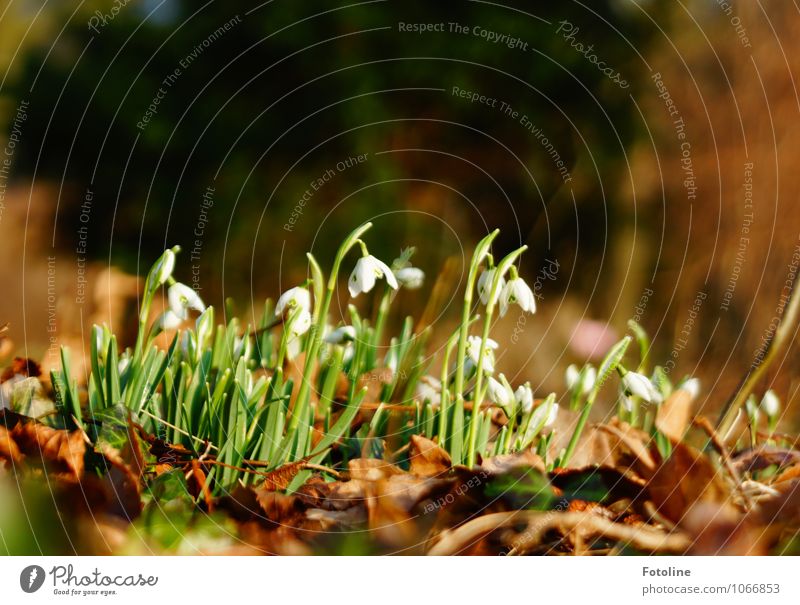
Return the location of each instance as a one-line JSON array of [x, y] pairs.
[[781, 338], [540, 522]]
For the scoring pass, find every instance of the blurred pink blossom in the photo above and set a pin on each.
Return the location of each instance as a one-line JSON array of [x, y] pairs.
[[591, 339]]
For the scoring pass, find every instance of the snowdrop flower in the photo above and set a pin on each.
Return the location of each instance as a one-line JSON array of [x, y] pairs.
[[485, 285], [163, 268], [627, 402], [524, 397], [499, 393], [583, 381], [294, 297], [204, 326], [411, 278], [571, 376], [300, 322], [100, 342], [429, 389], [691, 386], [544, 415], [771, 404], [473, 351], [182, 298], [169, 320], [589, 378], [368, 269], [340, 335], [640, 385], [516, 291]]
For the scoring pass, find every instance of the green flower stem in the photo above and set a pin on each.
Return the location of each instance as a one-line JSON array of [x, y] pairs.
[[150, 288], [380, 322], [611, 362], [287, 334], [318, 328], [481, 250], [576, 435], [494, 294], [448, 350], [477, 397]]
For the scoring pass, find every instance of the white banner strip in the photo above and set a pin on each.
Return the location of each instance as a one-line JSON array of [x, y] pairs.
[[400, 580]]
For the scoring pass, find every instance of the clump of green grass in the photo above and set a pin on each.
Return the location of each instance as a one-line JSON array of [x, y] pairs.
[[225, 389]]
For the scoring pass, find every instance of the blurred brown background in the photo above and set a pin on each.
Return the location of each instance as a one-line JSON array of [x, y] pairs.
[[683, 220]]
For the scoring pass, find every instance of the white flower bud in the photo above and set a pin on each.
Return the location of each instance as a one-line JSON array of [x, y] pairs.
[[771, 404], [410, 278]]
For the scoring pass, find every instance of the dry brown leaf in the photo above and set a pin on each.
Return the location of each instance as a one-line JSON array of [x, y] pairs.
[[790, 473], [763, 457], [121, 485], [720, 530], [371, 469], [673, 416], [427, 458], [505, 463], [350, 518], [783, 508], [280, 509], [9, 450], [614, 445], [634, 440], [62, 450], [683, 479], [197, 484]]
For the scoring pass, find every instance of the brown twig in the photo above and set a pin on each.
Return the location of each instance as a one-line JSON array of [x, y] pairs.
[[538, 523], [705, 424]]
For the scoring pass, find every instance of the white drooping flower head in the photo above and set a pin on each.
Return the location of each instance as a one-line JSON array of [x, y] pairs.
[[429, 389], [571, 376], [301, 322], [771, 404], [168, 320], [640, 385], [367, 271], [163, 268], [182, 298], [692, 386], [340, 335], [485, 285], [294, 297], [589, 378], [204, 327], [474, 351], [410, 278], [545, 415], [627, 402], [298, 323], [524, 397], [583, 380], [516, 291], [499, 393]]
